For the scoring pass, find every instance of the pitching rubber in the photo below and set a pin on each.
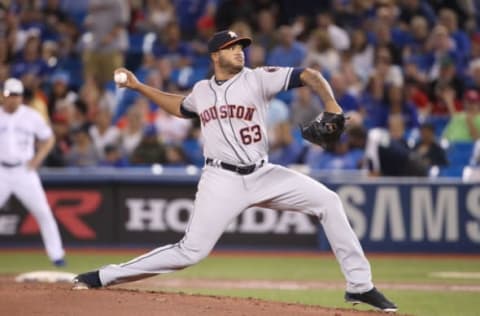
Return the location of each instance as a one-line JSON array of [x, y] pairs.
[[80, 286], [46, 277]]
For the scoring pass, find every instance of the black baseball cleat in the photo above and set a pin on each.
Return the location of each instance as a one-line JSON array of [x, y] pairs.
[[373, 298], [87, 280]]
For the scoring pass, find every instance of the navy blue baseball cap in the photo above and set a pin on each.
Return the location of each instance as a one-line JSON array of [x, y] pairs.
[[223, 39]]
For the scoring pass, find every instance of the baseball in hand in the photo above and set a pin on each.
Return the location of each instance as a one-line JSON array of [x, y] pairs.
[[120, 77]]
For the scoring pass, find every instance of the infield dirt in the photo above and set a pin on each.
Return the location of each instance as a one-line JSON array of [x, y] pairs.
[[58, 299]]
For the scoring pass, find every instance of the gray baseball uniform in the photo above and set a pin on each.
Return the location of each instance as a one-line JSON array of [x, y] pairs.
[[18, 131], [237, 176]]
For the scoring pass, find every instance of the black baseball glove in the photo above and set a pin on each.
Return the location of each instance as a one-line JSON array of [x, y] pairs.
[[325, 130]]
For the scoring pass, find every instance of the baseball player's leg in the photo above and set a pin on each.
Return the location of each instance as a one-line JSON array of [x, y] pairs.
[[285, 189], [214, 209], [5, 187], [28, 189]]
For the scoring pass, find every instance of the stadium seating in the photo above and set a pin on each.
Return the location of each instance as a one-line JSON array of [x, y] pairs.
[[458, 155]]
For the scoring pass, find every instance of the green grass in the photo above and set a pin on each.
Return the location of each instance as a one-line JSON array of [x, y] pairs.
[[322, 268], [410, 302]]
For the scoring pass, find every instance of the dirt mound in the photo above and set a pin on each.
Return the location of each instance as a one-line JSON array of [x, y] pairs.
[[58, 299]]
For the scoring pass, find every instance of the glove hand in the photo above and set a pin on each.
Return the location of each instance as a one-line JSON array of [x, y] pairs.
[[325, 130]]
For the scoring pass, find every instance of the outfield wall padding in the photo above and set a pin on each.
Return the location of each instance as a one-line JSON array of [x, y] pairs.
[[112, 207]]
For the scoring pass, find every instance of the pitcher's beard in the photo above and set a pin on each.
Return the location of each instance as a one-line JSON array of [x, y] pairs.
[[229, 67]]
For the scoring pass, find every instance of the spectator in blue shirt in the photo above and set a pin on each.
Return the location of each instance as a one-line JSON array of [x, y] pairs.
[[173, 48], [338, 158], [449, 19], [473, 79], [284, 148], [345, 98], [288, 52], [150, 71], [411, 8], [192, 146], [205, 30], [347, 154], [189, 11], [440, 46], [30, 61], [387, 32], [288, 149], [416, 47], [395, 103], [53, 19], [113, 157], [265, 35]]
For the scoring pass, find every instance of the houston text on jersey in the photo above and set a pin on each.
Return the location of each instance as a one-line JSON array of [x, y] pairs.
[[227, 111]]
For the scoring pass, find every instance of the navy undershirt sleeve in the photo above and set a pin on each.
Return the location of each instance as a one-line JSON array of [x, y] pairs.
[[186, 113], [295, 80]]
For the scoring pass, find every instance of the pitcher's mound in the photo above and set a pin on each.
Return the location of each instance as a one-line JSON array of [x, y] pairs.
[[46, 299]]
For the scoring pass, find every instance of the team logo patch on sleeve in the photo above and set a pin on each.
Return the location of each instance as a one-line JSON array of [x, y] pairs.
[[270, 68]]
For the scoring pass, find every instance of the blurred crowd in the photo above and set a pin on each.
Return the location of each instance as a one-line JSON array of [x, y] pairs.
[[407, 72]]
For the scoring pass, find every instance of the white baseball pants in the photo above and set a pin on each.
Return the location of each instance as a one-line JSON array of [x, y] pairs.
[[26, 186], [222, 195]]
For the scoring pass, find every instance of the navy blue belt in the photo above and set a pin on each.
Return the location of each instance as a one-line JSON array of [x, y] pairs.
[[10, 165], [243, 170]]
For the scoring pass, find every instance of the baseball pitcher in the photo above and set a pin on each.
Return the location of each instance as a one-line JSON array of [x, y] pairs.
[[20, 126], [232, 107]]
